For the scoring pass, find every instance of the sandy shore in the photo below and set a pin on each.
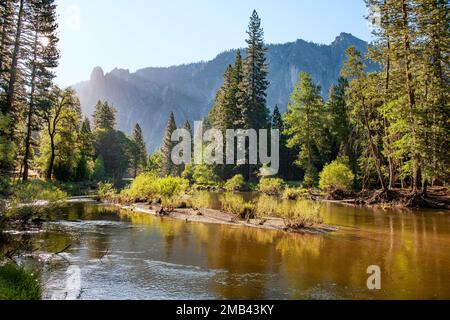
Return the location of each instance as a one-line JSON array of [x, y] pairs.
[[218, 217]]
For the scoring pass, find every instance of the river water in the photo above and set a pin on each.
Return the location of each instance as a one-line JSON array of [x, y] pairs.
[[119, 254]]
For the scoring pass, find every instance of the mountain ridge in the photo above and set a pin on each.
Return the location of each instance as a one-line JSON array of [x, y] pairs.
[[148, 95]]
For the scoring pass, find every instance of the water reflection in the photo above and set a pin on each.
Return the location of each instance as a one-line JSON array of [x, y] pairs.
[[131, 255]]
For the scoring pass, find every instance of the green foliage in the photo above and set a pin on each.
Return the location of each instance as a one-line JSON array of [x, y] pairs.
[[167, 166], [18, 284], [235, 204], [106, 191], [155, 163], [58, 148], [104, 116], [204, 176], [170, 187], [271, 186], [336, 176], [37, 190], [7, 146], [99, 173], [304, 124], [5, 185], [115, 148], [149, 187], [294, 193], [237, 183], [143, 188], [138, 151]]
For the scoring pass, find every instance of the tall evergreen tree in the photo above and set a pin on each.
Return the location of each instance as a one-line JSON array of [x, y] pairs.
[[43, 59], [139, 151], [104, 116], [254, 112], [304, 123], [167, 166]]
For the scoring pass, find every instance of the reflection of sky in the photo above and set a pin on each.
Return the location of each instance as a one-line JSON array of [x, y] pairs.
[[161, 33]]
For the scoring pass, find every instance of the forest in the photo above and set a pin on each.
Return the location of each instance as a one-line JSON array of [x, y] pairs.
[[380, 137], [386, 129]]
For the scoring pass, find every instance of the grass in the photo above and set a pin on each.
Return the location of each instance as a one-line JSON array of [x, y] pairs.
[[18, 284]]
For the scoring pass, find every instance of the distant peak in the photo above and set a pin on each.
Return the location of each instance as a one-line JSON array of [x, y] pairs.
[[97, 74], [345, 38]]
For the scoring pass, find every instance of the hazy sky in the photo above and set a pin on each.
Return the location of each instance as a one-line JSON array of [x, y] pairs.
[[133, 34]]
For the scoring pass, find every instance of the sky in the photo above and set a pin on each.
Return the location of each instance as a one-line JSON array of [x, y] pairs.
[[134, 34]]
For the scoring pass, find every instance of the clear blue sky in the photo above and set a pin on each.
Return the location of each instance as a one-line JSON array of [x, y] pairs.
[[133, 34]]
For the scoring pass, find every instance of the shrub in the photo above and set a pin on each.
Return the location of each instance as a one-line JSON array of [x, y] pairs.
[[271, 186], [170, 189], [143, 188], [296, 215], [301, 215], [37, 190], [336, 176], [204, 176], [267, 206], [5, 185], [235, 204], [18, 284], [237, 183], [201, 200], [294, 193], [106, 191]]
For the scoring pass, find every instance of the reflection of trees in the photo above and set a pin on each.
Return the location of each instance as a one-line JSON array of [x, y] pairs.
[[244, 254], [411, 249]]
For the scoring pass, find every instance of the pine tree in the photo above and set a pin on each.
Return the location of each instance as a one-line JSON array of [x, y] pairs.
[[43, 59], [287, 156], [433, 19], [139, 151], [104, 116], [168, 167], [86, 148], [252, 100], [364, 109], [304, 122]]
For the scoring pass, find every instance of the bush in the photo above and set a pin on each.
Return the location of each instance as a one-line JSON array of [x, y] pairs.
[[204, 176], [271, 186], [170, 189], [18, 284], [106, 191], [294, 193], [235, 204], [37, 190], [143, 188], [336, 176], [5, 184], [237, 183]]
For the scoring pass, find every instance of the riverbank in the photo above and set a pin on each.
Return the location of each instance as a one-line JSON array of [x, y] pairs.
[[211, 216]]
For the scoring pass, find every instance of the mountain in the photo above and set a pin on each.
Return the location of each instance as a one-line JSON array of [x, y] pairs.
[[149, 95]]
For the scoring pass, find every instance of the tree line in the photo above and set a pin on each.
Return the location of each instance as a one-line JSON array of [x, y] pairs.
[[41, 125], [390, 127]]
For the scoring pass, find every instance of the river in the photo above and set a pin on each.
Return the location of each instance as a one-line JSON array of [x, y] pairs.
[[119, 254]]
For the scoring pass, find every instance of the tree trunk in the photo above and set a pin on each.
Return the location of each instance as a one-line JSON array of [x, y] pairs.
[[52, 159], [411, 96], [30, 114], [373, 147]]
